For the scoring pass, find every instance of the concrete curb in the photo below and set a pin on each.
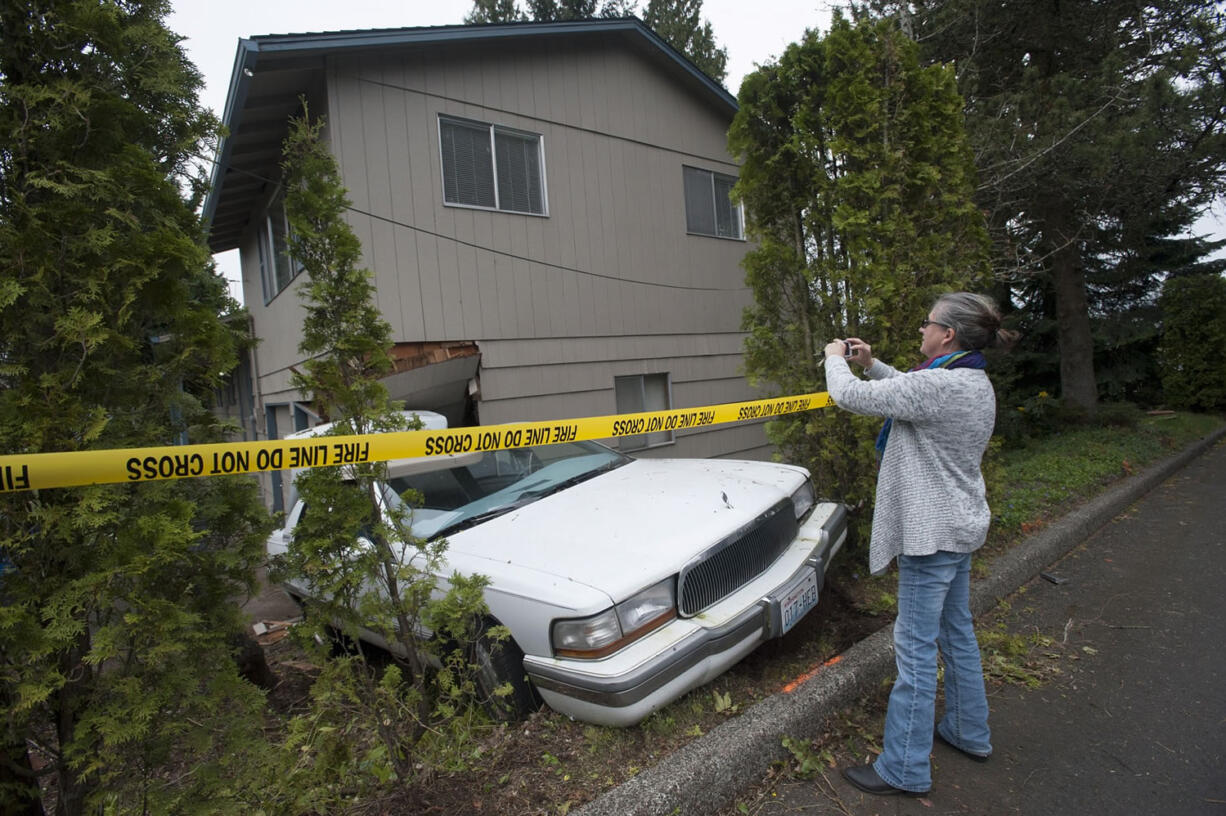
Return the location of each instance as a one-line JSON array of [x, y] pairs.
[[707, 774]]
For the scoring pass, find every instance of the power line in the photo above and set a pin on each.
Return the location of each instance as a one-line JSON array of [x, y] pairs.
[[502, 253]]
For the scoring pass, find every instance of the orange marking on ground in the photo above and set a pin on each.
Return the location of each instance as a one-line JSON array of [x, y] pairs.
[[799, 681]]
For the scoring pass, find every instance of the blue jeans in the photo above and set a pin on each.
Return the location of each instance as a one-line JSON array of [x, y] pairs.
[[933, 611]]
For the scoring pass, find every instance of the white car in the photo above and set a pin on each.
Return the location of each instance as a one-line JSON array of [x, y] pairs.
[[624, 582]]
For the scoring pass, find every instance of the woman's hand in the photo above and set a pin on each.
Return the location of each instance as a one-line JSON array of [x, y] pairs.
[[836, 348], [861, 352]]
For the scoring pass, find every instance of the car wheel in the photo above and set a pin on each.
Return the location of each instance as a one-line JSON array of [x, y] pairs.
[[499, 662]]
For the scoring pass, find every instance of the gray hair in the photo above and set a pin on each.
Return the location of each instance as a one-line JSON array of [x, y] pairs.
[[975, 320]]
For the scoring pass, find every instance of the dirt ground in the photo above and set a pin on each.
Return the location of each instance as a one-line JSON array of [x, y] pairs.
[[550, 764]]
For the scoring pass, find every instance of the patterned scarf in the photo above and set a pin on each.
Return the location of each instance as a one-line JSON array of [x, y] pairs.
[[957, 359]]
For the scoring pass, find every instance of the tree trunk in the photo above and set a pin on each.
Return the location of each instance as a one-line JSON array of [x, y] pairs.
[[69, 789], [804, 302], [1078, 387], [16, 770], [69, 792]]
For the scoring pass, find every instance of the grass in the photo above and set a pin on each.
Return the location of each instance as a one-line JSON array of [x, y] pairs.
[[1030, 484], [1010, 657]]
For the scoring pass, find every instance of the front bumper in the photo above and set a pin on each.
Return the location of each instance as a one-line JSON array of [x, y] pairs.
[[622, 689]]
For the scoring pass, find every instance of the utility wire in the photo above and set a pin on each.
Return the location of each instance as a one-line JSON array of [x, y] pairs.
[[499, 252]]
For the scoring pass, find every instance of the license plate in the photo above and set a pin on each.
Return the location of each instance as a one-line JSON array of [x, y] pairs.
[[797, 603]]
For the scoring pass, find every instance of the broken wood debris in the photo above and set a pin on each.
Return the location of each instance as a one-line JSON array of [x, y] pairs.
[[269, 632]]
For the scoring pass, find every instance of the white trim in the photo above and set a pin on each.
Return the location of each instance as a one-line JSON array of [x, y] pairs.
[[268, 271], [302, 407]]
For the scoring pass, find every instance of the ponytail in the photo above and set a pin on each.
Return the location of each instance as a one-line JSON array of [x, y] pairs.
[[975, 320]]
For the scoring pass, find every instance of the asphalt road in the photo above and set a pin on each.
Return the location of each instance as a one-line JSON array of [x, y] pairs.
[[1135, 722]]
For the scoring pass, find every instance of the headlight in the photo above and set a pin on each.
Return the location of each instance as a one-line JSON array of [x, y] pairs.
[[804, 498], [583, 638], [601, 635]]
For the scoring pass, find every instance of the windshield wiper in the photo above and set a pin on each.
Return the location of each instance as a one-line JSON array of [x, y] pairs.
[[470, 521], [525, 498], [573, 480]]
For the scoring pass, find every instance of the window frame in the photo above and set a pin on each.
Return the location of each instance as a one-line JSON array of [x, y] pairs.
[[493, 131], [629, 444], [267, 249], [737, 207]]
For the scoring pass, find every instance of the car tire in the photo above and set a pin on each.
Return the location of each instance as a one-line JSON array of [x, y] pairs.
[[496, 662], [340, 644]]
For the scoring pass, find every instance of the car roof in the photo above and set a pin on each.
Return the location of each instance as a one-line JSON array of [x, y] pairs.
[[430, 421]]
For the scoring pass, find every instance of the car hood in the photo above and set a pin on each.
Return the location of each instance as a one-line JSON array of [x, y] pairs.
[[622, 531]]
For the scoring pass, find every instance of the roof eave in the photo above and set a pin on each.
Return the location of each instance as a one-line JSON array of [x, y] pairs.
[[252, 51]]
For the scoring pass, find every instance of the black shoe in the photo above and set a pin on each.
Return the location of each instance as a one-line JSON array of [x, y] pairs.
[[977, 757], [866, 779]]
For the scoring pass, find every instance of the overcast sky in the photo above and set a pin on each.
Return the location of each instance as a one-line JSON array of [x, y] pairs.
[[752, 32]]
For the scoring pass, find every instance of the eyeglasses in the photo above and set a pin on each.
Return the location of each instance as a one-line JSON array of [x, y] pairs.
[[926, 323]]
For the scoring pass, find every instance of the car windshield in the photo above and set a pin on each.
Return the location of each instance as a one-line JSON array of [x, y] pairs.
[[456, 492]]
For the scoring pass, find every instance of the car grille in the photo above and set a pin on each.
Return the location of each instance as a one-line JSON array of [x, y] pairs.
[[736, 560]]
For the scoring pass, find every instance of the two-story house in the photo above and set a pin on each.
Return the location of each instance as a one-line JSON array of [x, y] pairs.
[[544, 207]]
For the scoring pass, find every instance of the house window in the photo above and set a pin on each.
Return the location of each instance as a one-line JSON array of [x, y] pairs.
[[277, 268], [491, 167], [643, 392], [709, 208]]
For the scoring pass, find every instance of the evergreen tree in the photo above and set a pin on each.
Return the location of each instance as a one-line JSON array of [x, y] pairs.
[[547, 10], [366, 568], [494, 11], [857, 182], [678, 22], [1099, 135], [542, 11], [1194, 342], [115, 618]]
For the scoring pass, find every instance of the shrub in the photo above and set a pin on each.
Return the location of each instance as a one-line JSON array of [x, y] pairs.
[[1194, 342]]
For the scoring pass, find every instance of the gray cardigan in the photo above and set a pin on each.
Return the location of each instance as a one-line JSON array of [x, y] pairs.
[[930, 491]]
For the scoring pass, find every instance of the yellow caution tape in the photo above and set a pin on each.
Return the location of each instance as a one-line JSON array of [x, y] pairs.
[[72, 469]]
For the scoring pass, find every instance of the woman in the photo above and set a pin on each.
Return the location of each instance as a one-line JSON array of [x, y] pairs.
[[931, 513]]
